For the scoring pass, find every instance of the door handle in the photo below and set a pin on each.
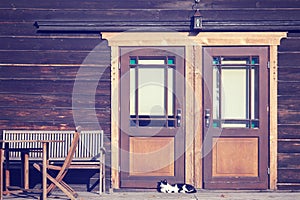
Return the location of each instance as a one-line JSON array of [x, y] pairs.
[[207, 117], [179, 116]]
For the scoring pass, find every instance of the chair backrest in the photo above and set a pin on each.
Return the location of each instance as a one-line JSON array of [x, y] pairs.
[[71, 151]]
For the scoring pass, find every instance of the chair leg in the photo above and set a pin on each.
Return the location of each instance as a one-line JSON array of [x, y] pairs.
[[102, 174], [52, 186], [100, 178], [68, 187], [60, 186], [103, 170], [58, 183]]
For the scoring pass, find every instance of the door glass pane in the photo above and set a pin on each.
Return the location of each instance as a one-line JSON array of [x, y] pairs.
[[132, 61], [170, 92], [254, 92], [151, 91], [234, 94], [216, 93], [171, 61], [132, 91], [151, 61], [234, 61]]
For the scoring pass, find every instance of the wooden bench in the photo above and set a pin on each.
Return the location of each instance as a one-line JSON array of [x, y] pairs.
[[90, 153]]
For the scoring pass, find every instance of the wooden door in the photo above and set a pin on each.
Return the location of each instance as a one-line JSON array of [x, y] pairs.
[[235, 117], [152, 137]]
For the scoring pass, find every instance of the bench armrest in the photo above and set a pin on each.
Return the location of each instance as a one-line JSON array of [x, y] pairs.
[[103, 150]]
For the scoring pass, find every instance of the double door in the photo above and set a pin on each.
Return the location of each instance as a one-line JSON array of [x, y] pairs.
[[235, 117]]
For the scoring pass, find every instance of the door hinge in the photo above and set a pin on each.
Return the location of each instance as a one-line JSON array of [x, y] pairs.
[[268, 170], [119, 65], [268, 109], [268, 64], [119, 169]]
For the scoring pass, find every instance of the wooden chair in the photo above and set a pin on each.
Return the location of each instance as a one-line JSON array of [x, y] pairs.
[[57, 181]]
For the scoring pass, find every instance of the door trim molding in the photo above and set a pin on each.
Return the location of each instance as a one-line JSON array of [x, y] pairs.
[[193, 45]]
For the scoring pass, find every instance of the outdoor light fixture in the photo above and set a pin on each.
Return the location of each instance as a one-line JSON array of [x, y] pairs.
[[197, 18]]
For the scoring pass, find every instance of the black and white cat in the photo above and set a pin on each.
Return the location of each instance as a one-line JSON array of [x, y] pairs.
[[165, 187]]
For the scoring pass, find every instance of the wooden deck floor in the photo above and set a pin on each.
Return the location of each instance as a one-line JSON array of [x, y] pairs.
[[200, 195]]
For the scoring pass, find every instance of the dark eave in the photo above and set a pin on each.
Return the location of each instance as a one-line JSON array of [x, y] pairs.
[[181, 26]]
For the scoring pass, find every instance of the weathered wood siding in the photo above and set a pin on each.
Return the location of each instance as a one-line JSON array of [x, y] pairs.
[[38, 70], [289, 113]]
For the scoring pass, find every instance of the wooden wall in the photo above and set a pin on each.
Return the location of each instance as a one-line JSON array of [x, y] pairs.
[[289, 113], [38, 73], [38, 70]]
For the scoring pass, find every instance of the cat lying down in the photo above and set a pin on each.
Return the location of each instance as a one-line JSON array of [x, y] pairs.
[[165, 187]]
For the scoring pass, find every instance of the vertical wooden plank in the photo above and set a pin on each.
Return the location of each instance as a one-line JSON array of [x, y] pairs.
[[115, 117], [273, 116], [189, 115], [100, 172], [1, 172], [44, 182], [103, 188], [7, 172], [198, 116]]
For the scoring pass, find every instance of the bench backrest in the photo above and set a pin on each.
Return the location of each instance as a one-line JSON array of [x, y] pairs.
[[89, 146]]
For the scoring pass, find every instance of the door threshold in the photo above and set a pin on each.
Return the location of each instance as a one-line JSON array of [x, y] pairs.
[[233, 190], [135, 190]]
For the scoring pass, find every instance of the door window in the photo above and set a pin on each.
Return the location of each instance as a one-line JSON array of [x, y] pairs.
[[235, 92], [152, 91]]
